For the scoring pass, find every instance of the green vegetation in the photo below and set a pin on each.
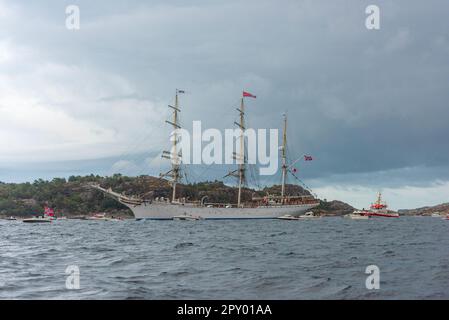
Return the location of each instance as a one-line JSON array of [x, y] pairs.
[[67, 197]]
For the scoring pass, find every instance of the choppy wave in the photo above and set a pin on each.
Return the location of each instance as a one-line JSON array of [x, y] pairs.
[[260, 259]]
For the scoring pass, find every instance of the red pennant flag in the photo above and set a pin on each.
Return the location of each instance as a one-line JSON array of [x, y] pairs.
[[249, 95]]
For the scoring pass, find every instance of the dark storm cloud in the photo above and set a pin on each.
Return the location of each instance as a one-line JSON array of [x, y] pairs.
[[360, 101]]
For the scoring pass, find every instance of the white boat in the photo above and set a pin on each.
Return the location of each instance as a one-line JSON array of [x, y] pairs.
[[11, 218], [269, 207], [436, 215], [289, 217], [310, 215], [99, 217], [39, 219], [184, 217], [357, 215]]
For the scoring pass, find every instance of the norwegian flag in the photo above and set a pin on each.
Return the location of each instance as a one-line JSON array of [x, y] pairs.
[[308, 158], [249, 95], [49, 212]]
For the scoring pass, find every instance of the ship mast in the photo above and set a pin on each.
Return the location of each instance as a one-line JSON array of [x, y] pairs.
[[378, 202], [240, 157], [173, 155], [242, 152], [284, 158]]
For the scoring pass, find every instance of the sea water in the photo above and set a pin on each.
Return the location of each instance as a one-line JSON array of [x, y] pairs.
[[248, 259]]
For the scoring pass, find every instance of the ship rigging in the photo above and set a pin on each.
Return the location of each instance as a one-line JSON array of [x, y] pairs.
[[267, 207]]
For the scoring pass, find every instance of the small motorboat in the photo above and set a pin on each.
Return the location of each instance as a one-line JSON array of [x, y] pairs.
[[289, 217], [99, 217], [49, 216], [11, 218], [436, 215], [357, 215], [310, 215], [116, 219], [38, 219], [77, 218], [187, 217]]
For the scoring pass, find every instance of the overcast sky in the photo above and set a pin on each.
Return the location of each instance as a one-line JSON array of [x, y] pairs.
[[371, 106]]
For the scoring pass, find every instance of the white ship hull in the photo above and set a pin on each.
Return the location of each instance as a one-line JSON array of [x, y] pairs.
[[166, 211]]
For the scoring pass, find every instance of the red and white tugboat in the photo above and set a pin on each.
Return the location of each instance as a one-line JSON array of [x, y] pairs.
[[380, 209]]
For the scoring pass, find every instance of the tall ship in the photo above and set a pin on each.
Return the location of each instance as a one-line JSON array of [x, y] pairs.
[[379, 209], [267, 207]]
